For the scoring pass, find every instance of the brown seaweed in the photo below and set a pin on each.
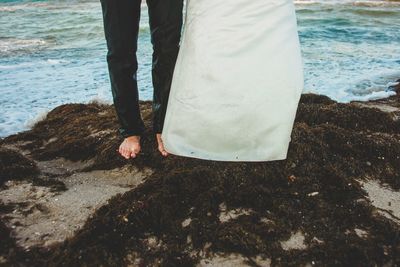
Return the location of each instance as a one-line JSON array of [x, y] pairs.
[[315, 191]]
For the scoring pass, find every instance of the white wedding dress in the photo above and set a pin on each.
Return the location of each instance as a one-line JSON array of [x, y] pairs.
[[237, 81]]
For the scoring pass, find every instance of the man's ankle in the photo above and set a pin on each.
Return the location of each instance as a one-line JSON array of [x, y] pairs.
[[133, 137]]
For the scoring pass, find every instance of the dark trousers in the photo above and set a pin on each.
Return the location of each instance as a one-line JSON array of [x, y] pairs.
[[121, 27]]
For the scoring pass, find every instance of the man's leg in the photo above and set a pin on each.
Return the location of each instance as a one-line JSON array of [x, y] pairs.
[[121, 26], [165, 24]]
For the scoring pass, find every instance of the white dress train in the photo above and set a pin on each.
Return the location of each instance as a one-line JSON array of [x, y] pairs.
[[237, 81]]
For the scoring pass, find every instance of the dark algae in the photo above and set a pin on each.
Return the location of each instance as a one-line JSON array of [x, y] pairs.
[[15, 166], [314, 191]]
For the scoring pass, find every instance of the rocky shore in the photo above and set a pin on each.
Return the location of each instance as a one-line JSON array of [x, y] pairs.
[[68, 199]]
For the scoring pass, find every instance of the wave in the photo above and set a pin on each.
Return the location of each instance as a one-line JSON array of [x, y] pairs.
[[11, 45], [13, 8], [363, 3], [364, 87], [33, 64], [372, 96]]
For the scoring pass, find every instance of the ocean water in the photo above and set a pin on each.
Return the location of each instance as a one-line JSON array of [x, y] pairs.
[[53, 52]]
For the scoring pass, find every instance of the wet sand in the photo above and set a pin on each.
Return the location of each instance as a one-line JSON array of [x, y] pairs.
[[68, 199]]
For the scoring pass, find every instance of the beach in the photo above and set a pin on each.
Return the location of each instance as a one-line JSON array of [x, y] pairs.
[[68, 199]]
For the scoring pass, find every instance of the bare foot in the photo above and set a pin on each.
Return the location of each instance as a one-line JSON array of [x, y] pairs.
[[161, 145], [130, 147]]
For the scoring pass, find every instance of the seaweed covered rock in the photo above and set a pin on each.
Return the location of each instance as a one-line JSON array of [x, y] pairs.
[[308, 209], [14, 166], [77, 132]]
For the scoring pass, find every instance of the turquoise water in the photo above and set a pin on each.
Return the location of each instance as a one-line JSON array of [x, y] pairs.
[[53, 52]]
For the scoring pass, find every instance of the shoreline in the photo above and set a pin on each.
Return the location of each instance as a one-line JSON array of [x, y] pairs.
[[388, 102], [67, 198]]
